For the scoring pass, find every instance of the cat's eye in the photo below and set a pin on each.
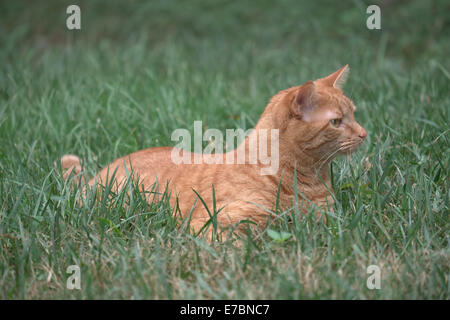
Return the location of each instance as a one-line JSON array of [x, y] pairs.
[[336, 122]]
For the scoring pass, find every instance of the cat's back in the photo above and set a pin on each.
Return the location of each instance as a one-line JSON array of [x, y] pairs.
[[142, 163]]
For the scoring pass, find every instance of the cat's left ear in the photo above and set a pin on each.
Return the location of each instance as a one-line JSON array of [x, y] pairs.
[[336, 79]]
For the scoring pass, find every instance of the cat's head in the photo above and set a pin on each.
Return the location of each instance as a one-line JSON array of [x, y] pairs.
[[319, 118]]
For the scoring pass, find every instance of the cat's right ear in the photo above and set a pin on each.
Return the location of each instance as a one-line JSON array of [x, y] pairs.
[[305, 100]]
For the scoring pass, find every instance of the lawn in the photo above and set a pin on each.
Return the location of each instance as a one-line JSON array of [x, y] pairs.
[[136, 71]]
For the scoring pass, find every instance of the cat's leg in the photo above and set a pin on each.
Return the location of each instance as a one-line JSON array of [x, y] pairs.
[[230, 223]]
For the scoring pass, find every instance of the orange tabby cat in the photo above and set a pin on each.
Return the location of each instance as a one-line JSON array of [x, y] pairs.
[[315, 123]]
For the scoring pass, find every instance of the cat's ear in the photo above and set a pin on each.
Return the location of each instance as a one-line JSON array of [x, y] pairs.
[[336, 79], [305, 100]]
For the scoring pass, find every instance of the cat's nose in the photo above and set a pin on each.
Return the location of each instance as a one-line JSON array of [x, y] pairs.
[[363, 134]]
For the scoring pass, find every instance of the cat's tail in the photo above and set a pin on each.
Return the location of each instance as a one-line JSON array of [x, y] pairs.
[[71, 165]]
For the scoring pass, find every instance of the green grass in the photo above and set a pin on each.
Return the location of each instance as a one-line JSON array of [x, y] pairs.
[[136, 72]]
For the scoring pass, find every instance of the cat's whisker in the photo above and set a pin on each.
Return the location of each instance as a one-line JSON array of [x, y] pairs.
[[319, 161], [329, 157]]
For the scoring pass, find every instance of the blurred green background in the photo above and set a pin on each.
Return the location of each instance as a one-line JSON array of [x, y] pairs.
[[147, 48], [410, 29]]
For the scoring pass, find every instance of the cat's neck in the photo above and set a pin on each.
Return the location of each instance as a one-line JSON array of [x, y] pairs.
[[312, 174]]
